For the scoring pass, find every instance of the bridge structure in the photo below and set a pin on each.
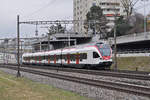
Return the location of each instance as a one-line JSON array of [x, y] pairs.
[[133, 43]]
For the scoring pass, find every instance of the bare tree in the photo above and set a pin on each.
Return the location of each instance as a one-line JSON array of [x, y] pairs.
[[129, 5]]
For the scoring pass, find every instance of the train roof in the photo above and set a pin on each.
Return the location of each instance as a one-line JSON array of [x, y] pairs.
[[85, 45], [68, 49]]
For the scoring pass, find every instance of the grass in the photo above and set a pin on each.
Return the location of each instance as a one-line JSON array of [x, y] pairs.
[[12, 88], [131, 63]]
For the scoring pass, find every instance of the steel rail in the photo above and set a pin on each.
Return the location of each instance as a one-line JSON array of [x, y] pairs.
[[128, 88], [118, 74]]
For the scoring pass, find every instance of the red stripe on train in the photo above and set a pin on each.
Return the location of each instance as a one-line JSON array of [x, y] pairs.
[[77, 58], [49, 60], [54, 59], [68, 58]]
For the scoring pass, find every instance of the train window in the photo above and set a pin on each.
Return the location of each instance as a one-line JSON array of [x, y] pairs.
[[83, 56], [27, 58], [52, 57], [72, 57], [30, 58], [46, 57], [34, 58], [24, 58], [95, 55], [64, 57], [42, 57], [58, 57]]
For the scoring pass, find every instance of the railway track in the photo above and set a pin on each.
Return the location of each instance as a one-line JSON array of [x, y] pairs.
[[119, 74], [128, 88]]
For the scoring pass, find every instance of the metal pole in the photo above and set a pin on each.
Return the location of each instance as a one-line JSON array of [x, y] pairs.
[[145, 23], [48, 41], [7, 52], [144, 18], [115, 48], [21, 51], [115, 44], [40, 44], [69, 40], [4, 55], [18, 40]]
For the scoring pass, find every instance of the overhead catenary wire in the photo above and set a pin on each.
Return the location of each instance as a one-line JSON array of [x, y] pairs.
[[40, 9]]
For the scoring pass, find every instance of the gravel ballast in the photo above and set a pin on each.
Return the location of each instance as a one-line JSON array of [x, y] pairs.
[[96, 93]]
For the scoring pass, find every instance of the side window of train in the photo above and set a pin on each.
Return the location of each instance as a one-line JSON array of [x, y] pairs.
[[95, 55], [84, 55], [58, 57], [46, 57], [51, 57], [72, 57]]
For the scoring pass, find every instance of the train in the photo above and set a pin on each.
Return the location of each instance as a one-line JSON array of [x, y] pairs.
[[96, 55], [8, 58]]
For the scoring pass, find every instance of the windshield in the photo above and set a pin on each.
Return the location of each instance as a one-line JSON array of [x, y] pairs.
[[104, 49]]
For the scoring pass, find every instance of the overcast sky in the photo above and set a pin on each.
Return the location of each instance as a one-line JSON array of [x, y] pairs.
[[34, 10], [31, 10]]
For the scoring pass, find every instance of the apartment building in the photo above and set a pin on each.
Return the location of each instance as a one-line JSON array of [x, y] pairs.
[[109, 7]]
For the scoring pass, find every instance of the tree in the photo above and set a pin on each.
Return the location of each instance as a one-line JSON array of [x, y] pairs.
[[137, 22], [60, 28], [122, 27], [133, 24], [128, 6], [96, 21]]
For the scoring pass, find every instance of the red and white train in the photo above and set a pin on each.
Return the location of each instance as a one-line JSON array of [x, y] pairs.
[[94, 55]]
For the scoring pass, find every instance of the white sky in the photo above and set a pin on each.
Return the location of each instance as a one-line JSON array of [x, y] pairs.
[[31, 10], [36, 10]]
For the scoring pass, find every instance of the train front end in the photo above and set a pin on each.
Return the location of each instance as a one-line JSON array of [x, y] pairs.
[[105, 52]]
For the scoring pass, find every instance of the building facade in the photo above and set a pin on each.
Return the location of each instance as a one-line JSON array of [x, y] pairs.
[[109, 7]]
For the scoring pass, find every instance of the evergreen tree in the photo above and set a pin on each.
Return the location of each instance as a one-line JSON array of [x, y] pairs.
[[96, 21]]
